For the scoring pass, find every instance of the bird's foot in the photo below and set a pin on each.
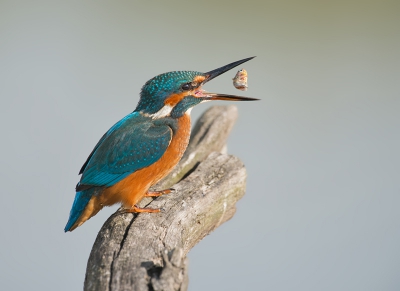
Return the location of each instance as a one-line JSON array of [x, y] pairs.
[[159, 193], [136, 209]]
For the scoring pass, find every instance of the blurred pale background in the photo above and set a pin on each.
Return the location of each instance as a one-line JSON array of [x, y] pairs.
[[321, 149]]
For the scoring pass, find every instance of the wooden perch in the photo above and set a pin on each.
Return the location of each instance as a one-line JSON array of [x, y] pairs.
[[148, 251]]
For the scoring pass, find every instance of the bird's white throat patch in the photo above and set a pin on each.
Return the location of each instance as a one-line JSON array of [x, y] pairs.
[[163, 112], [188, 111]]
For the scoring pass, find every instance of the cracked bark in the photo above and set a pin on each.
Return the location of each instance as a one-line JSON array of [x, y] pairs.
[[148, 251]]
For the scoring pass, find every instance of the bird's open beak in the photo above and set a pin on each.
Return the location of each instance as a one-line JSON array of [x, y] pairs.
[[226, 97], [215, 73]]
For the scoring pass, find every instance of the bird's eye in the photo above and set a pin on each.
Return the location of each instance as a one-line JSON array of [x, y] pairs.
[[185, 87]]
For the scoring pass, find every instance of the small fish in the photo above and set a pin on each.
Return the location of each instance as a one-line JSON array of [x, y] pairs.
[[240, 80]]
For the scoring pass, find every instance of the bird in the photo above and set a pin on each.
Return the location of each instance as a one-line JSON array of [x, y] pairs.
[[144, 146]]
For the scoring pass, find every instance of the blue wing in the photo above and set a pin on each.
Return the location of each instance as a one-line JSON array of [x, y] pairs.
[[132, 143]]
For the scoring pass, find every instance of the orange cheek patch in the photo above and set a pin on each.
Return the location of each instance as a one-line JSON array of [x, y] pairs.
[[174, 99]]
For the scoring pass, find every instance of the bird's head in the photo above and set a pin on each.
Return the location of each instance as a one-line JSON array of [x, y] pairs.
[[174, 93]]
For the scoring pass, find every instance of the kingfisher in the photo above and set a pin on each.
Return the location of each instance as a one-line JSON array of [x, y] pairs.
[[144, 146]]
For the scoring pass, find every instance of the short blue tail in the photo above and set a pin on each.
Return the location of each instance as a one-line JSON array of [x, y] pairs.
[[82, 198]]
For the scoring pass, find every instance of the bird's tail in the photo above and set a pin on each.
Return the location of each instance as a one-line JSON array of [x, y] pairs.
[[82, 199]]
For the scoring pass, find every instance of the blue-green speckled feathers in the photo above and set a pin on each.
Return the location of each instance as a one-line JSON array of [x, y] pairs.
[[156, 90]]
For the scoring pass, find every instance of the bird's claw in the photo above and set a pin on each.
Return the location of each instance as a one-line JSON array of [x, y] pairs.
[[159, 193]]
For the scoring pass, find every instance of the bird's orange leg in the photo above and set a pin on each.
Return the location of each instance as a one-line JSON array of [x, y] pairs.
[[158, 193], [136, 209]]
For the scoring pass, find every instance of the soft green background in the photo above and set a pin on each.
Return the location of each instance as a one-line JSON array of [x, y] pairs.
[[321, 149]]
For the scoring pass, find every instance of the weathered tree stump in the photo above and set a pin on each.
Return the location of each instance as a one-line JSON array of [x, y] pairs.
[[148, 251]]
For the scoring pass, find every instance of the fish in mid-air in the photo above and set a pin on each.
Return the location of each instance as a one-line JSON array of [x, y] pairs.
[[240, 80]]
